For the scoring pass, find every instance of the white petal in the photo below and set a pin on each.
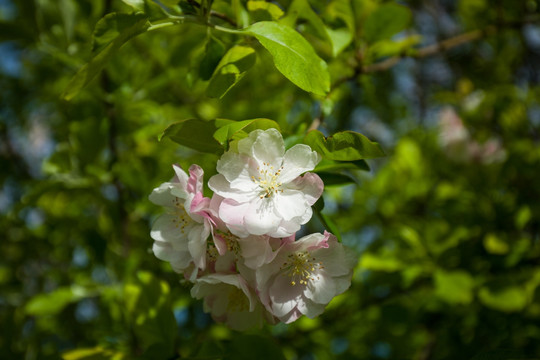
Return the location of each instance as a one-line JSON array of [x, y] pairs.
[[165, 228], [197, 245], [284, 296], [221, 186], [321, 289], [181, 176], [297, 160], [232, 214], [231, 165], [260, 218], [266, 146], [162, 195], [290, 204], [310, 185]]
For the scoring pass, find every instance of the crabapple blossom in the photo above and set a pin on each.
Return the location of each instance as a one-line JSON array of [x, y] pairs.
[[304, 276], [229, 299], [254, 250], [180, 234], [263, 190]]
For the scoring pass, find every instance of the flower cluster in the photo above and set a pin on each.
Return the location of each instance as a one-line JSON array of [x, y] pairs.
[[238, 248]]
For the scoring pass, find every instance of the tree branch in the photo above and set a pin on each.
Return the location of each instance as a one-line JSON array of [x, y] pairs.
[[436, 48]]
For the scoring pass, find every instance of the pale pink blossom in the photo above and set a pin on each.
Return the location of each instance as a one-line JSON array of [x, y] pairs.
[[230, 300], [263, 190], [180, 235], [304, 276]]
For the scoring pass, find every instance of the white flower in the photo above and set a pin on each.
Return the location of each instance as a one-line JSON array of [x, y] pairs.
[[304, 276], [263, 191], [180, 234], [229, 299]]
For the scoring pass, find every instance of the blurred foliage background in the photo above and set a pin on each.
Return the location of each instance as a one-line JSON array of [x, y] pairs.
[[447, 226]]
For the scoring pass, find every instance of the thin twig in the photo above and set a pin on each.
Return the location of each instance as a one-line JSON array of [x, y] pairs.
[[436, 48]]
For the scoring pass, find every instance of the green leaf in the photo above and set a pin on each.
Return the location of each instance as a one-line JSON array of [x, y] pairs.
[[230, 70], [381, 262], [293, 56], [89, 71], [273, 10], [330, 179], [343, 146], [213, 54], [392, 48], [152, 10], [329, 165], [302, 9], [112, 25], [387, 20], [231, 129], [195, 134], [506, 298], [148, 305], [249, 347], [454, 287], [97, 353], [52, 303]]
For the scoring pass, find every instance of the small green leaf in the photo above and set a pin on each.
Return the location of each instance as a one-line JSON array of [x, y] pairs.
[[89, 71], [387, 20], [111, 26], [329, 165], [213, 53], [52, 303], [230, 129], [381, 262], [273, 10], [195, 134], [230, 70], [293, 56], [392, 48], [152, 10], [97, 353], [343, 146], [506, 298], [454, 287]]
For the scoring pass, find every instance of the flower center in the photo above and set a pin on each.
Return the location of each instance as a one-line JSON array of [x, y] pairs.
[[231, 240], [268, 180], [182, 218], [300, 267]]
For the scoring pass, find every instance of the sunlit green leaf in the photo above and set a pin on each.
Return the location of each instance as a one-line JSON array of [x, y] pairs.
[[228, 131], [454, 287], [53, 302], [273, 10], [376, 262], [293, 56], [343, 146], [230, 70], [330, 165], [97, 353], [506, 298]]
